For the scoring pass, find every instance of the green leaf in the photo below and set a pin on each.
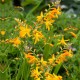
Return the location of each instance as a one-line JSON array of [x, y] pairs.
[[57, 68], [27, 2], [24, 71]]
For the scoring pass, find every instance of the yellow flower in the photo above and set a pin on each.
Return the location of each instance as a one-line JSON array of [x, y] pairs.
[[53, 13], [68, 53], [51, 60], [49, 15], [56, 11], [2, 32], [48, 24], [73, 34], [66, 29], [48, 18], [32, 59], [37, 35], [40, 18], [51, 44], [16, 41], [57, 77], [38, 79], [44, 63], [52, 76], [24, 31], [63, 56], [36, 73], [62, 41]]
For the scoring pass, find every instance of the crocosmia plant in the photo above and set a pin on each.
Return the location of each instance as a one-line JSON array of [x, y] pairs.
[[35, 47]]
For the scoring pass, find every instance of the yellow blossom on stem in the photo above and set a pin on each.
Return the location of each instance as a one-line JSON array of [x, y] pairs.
[[57, 77], [44, 63], [51, 60], [52, 76], [16, 41], [24, 31], [63, 56], [32, 59], [38, 79], [66, 29], [40, 18], [62, 41], [48, 24], [73, 34], [68, 53], [53, 13], [37, 35], [51, 44], [56, 11], [35, 73], [2, 32], [49, 16]]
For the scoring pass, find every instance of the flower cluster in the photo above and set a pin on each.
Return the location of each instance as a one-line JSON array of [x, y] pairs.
[[42, 50], [49, 17], [40, 68]]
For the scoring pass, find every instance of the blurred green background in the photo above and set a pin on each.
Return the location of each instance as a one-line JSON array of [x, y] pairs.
[[70, 7]]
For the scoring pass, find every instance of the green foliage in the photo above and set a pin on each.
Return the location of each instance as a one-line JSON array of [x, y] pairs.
[[34, 6], [34, 2], [13, 63], [72, 66]]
